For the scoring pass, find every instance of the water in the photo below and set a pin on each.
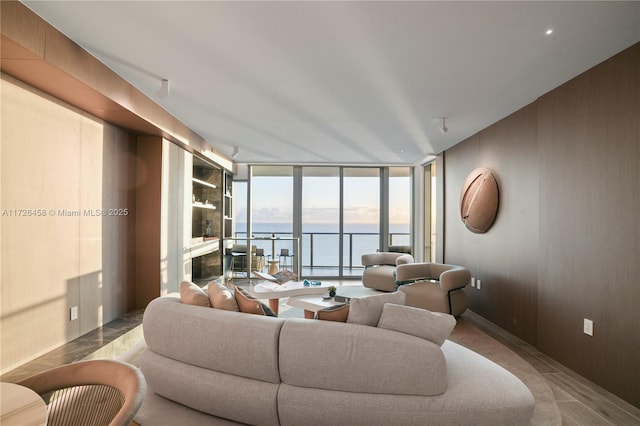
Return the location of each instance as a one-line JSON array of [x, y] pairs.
[[320, 241]]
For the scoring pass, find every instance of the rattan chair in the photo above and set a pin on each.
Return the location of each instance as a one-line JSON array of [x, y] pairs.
[[95, 392]]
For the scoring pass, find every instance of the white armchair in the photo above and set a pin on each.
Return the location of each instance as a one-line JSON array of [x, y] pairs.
[[436, 287], [380, 268]]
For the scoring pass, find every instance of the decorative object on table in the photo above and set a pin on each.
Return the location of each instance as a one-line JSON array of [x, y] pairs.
[[479, 200], [308, 283], [332, 291], [339, 298]]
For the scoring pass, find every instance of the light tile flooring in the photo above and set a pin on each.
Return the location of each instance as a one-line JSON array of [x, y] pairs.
[[580, 402]]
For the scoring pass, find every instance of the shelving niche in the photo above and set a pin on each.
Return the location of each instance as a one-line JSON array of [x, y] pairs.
[[206, 217]]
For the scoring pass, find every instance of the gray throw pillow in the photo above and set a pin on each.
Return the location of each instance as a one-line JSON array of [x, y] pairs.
[[367, 310], [432, 326]]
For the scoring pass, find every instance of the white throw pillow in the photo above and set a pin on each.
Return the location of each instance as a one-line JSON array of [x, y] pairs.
[[367, 310], [432, 326]]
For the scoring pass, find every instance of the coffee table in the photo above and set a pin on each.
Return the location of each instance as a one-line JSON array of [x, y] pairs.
[[274, 292], [311, 304]]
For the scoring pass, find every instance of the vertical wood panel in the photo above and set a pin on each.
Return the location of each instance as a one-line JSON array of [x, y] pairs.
[[590, 198], [566, 241], [147, 229], [504, 258]]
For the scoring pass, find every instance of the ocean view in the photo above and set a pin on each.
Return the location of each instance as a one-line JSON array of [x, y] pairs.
[[320, 241]]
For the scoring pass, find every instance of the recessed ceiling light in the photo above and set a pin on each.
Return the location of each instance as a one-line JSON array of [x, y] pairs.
[[549, 31]]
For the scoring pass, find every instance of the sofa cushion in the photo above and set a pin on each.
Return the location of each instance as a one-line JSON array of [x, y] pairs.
[[355, 358], [337, 313], [221, 297], [433, 326], [191, 294], [209, 391], [479, 392], [203, 337], [250, 305], [367, 310]]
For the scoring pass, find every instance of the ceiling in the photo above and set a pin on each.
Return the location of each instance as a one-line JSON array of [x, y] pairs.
[[344, 82]]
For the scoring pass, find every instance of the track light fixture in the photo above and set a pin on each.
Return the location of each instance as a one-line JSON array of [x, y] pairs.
[[234, 154], [442, 126]]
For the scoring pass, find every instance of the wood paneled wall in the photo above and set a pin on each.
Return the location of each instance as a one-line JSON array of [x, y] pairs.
[[566, 242], [61, 169]]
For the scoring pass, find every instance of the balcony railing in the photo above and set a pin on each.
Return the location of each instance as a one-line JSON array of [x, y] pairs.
[[320, 249]]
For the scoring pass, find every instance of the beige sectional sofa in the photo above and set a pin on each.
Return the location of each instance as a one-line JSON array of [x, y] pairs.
[[211, 366]]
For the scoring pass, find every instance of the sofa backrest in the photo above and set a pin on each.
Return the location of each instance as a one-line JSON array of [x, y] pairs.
[[450, 276], [299, 352], [385, 258], [204, 336], [358, 358]]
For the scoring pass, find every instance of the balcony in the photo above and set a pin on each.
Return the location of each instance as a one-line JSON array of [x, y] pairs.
[[320, 256]]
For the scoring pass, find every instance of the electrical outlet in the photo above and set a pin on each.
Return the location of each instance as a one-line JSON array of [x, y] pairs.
[[588, 327], [473, 282], [479, 284], [73, 314]]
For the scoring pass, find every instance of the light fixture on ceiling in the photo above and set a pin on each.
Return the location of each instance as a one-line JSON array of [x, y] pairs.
[[549, 31], [234, 154], [442, 126], [163, 91]]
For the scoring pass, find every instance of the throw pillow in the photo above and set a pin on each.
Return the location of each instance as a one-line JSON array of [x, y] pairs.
[[432, 326], [191, 294], [334, 313], [250, 305], [221, 297], [367, 310]]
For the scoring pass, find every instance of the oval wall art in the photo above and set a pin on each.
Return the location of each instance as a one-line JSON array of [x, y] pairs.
[[479, 200]]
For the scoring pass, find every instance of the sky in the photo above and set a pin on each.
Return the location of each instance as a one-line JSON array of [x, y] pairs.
[[272, 200]]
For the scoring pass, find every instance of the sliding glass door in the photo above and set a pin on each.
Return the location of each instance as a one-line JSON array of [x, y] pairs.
[[338, 213], [321, 221], [361, 216]]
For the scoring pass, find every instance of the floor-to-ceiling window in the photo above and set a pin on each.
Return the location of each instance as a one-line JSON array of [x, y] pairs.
[[321, 220], [338, 212], [400, 206], [429, 199], [271, 209], [361, 215]]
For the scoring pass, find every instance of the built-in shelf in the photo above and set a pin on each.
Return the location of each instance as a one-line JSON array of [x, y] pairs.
[[204, 206], [201, 182], [202, 247], [206, 219]]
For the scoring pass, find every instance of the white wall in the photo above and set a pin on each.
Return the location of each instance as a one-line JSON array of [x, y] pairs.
[[57, 164]]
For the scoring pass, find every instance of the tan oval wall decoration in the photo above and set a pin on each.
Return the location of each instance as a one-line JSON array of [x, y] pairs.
[[479, 200]]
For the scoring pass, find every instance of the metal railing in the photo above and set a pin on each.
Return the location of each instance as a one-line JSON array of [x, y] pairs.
[[320, 249]]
